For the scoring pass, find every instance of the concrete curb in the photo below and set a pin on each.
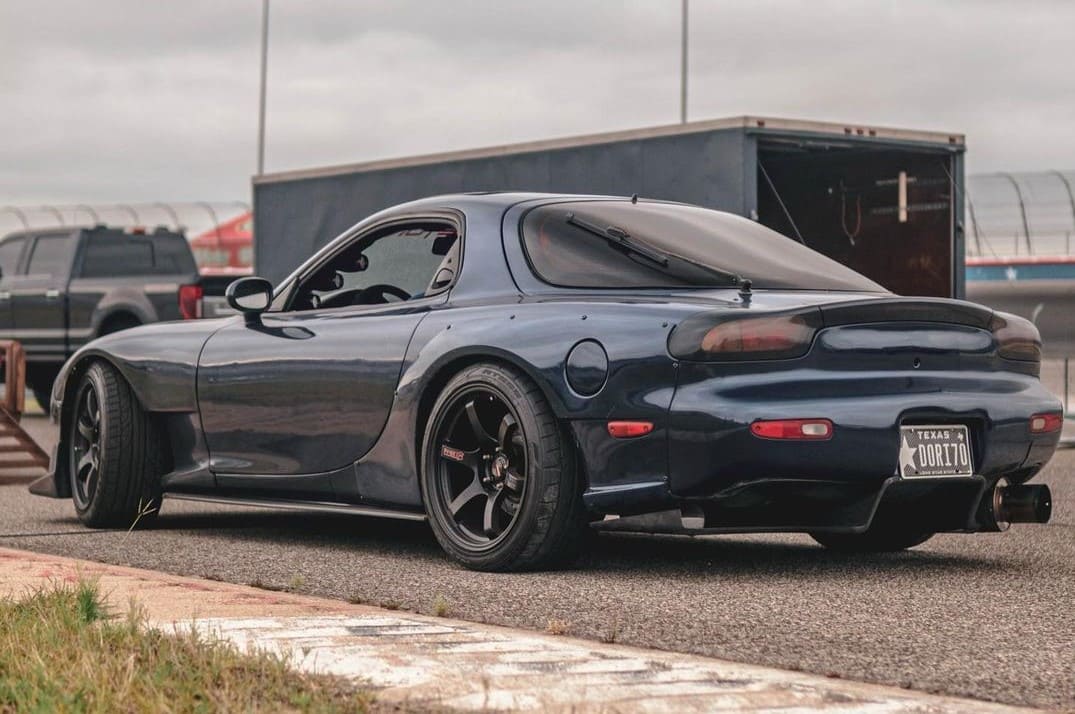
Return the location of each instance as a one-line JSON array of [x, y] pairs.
[[430, 661]]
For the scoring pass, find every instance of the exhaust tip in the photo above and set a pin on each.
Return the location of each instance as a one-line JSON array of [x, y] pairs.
[[1022, 504]]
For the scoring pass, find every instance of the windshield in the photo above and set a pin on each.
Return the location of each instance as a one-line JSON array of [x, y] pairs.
[[619, 244]]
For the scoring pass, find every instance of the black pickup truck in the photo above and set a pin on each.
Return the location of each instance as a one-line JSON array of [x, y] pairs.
[[62, 287]]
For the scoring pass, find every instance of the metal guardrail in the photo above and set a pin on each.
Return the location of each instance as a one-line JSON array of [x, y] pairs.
[[19, 448]]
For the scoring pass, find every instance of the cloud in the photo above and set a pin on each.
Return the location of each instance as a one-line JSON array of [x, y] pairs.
[[123, 101]]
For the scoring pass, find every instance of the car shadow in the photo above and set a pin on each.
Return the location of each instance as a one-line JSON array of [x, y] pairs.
[[652, 555]]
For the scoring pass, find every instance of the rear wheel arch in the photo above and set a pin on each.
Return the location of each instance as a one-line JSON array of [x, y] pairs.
[[453, 365], [119, 319]]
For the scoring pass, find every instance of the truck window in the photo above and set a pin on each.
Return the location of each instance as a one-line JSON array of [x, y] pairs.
[[113, 255], [116, 255], [49, 255], [10, 250]]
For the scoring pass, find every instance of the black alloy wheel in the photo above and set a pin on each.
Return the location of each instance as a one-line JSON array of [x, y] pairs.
[[481, 471], [499, 474], [85, 466]]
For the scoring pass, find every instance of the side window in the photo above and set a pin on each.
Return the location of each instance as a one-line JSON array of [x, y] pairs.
[[49, 255], [110, 256], [399, 264], [10, 251]]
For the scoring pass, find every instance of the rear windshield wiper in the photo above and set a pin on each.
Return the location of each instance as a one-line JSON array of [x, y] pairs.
[[620, 238]]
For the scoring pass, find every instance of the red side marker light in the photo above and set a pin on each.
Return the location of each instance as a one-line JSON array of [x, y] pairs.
[[629, 429], [1046, 423], [793, 429]]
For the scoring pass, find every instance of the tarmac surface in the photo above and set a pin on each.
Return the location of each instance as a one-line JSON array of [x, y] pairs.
[[989, 616]]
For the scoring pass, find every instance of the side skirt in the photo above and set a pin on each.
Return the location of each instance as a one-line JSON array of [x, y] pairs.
[[320, 506]]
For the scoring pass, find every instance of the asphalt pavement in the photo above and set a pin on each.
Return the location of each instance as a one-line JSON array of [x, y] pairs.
[[990, 616]]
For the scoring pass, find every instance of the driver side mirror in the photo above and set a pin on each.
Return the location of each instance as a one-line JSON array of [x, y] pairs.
[[250, 296]]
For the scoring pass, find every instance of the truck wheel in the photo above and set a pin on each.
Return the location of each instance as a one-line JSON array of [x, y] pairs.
[[499, 475], [113, 453], [878, 539]]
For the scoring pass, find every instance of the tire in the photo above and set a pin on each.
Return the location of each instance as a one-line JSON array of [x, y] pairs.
[[878, 539], [113, 459], [503, 503]]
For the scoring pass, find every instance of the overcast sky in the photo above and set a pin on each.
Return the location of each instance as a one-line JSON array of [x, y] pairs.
[[129, 100]]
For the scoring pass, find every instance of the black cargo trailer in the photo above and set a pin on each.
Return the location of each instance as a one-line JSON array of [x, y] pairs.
[[886, 202]]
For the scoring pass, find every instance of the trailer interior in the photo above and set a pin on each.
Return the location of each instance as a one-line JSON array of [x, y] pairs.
[[885, 211]]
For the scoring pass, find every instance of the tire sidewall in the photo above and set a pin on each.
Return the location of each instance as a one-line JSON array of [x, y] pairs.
[[505, 385]]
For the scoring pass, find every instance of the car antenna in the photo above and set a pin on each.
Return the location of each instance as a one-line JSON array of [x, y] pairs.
[[634, 198], [744, 290]]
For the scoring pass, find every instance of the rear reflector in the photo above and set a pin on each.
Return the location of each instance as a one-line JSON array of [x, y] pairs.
[[629, 429], [795, 429], [1046, 423], [190, 301]]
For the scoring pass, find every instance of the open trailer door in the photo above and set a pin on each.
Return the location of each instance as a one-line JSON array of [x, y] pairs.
[[891, 212]]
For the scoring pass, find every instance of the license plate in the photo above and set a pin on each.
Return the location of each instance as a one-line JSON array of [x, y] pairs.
[[933, 451]]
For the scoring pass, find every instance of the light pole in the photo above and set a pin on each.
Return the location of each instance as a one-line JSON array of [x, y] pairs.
[[261, 98], [683, 67]]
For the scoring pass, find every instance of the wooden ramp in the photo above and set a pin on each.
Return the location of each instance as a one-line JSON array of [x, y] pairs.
[[18, 451]]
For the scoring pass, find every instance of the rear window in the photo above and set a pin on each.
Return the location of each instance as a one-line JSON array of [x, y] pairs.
[[110, 255], [619, 244]]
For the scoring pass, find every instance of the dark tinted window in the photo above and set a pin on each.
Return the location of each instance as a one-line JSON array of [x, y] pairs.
[[617, 244], [10, 250], [49, 255], [119, 255]]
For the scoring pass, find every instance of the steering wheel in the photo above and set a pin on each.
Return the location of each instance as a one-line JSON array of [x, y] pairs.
[[380, 290]]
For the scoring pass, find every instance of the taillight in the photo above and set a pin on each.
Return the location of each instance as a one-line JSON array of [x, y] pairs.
[[190, 301], [629, 429], [1016, 338], [796, 429], [720, 337], [1046, 423]]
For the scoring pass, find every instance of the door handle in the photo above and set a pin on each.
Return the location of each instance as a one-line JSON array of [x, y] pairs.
[[5, 295], [52, 294]]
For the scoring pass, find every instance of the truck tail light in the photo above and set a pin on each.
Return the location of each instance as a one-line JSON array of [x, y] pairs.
[[718, 338], [794, 429], [1046, 423], [190, 301], [1016, 338]]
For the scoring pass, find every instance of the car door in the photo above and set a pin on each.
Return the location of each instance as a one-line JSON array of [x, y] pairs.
[[10, 257], [39, 297], [298, 394]]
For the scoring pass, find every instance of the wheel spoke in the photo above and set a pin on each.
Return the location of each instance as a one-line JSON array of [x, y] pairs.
[[91, 482], [470, 459], [85, 464], [491, 517], [467, 495], [476, 425], [507, 425], [85, 429]]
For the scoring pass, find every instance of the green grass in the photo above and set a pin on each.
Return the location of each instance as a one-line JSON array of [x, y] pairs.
[[60, 652]]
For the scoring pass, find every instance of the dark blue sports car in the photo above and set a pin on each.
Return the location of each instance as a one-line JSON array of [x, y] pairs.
[[514, 367]]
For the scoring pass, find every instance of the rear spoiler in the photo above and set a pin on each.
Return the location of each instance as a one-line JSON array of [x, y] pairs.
[[957, 312]]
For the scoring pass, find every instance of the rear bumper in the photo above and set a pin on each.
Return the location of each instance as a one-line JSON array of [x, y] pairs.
[[712, 451]]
